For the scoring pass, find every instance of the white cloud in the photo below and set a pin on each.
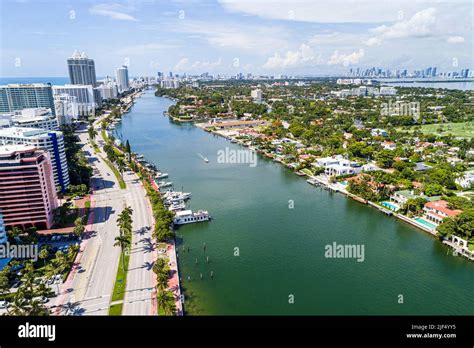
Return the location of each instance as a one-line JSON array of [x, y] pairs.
[[419, 25], [145, 49], [236, 35], [303, 56], [346, 59], [185, 65], [113, 11], [325, 11], [455, 39]]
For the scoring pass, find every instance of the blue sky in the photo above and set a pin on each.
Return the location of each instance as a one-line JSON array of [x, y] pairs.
[[259, 36]]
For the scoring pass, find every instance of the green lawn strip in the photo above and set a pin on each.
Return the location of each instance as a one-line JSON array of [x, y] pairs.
[[307, 171], [94, 145], [116, 173], [104, 135], [116, 309], [120, 284]]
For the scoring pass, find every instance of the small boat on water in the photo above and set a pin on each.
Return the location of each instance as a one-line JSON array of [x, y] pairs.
[[161, 176], [177, 195], [206, 160], [164, 183], [177, 207], [188, 217]]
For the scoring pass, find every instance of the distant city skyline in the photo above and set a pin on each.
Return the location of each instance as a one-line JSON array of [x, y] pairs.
[[229, 37]]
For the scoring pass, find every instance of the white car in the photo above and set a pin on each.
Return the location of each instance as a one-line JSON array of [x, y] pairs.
[[58, 279], [4, 304]]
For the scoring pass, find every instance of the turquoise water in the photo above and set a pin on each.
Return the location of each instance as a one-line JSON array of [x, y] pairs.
[[426, 223], [270, 230], [389, 205]]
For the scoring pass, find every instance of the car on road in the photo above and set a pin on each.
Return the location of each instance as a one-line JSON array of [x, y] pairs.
[[58, 279], [77, 198]]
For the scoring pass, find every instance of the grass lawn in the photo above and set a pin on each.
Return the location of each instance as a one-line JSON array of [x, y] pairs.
[[307, 171], [120, 284], [116, 309], [463, 129], [116, 173]]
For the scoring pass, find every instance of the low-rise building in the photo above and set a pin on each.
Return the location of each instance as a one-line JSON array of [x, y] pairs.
[[401, 197], [437, 211]]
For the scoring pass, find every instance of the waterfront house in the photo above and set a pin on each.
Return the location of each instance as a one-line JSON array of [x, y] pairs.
[[437, 211], [401, 197], [338, 170]]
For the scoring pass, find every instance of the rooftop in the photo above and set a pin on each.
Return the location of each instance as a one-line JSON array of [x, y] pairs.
[[25, 132], [9, 150], [442, 206]]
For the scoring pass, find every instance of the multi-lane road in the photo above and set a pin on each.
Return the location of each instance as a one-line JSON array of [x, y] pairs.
[[89, 287]]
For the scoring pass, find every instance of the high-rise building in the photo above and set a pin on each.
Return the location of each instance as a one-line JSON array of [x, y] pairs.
[[85, 97], [121, 77], [108, 90], [34, 118], [67, 108], [3, 231], [81, 69], [27, 193], [51, 141], [15, 97]]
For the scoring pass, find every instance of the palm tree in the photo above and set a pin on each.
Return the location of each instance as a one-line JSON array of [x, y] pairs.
[[123, 242], [92, 132], [124, 221], [165, 300], [120, 166], [161, 281], [43, 254]]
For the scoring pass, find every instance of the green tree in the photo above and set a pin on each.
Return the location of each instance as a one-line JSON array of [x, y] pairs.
[[43, 255], [123, 242]]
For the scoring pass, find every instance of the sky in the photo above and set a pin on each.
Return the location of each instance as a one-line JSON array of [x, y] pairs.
[[269, 37]]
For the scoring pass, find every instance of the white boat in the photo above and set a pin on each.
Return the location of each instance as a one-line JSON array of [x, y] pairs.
[[177, 207], [164, 183], [188, 217], [206, 160], [161, 176], [177, 195]]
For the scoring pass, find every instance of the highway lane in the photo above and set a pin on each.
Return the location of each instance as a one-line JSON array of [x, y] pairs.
[[140, 282], [89, 288]]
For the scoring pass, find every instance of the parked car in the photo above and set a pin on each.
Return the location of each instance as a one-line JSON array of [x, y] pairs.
[[58, 279], [4, 304]]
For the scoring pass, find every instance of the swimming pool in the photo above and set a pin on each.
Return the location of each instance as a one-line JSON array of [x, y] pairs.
[[390, 206], [425, 223]]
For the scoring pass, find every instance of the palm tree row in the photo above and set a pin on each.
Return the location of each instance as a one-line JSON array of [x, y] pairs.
[[124, 222], [164, 297]]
